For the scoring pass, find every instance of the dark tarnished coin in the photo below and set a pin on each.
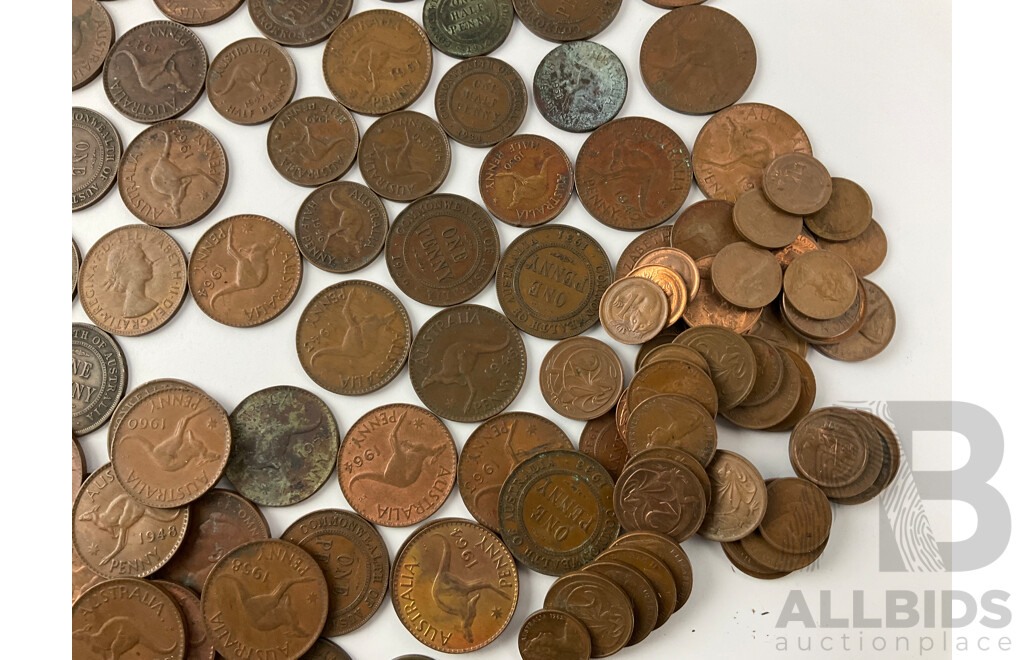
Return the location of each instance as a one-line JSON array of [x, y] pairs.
[[672, 420], [599, 604], [313, 141], [245, 270], [325, 649], [442, 250], [831, 447], [747, 276], [92, 33], [579, 86], [132, 280], [550, 281], [78, 470], [738, 498], [199, 644], [99, 376], [155, 71], [265, 598], [251, 80], [354, 559], [115, 535], [115, 613], [633, 173], [555, 511], [797, 518], [581, 378], [865, 253], [298, 24], [396, 465], [526, 180], [566, 21], [82, 577], [762, 224], [820, 284], [709, 308], [95, 156], [197, 12], [659, 495], [704, 228], [404, 156], [467, 363], [634, 310], [797, 183], [467, 28], [638, 588], [480, 101], [733, 367], [672, 377], [697, 60], [353, 337], [377, 61], [875, 333], [455, 586], [654, 569], [769, 371], [671, 555], [341, 227], [648, 241], [285, 445], [601, 441], [554, 635], [846, 215]]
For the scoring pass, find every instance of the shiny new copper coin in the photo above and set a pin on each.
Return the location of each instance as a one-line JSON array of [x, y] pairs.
[[671, 351], [634, 310], [572, 22], [763, 224], [875, 333], [92, 33], [78, 470], [579, 86], [797, 183], [396, 465], [132, 280], [820, 284], [746, 276], [341, 226], [199, 645], [738, 498], [733, 367], [325, 649], [797, 518], [197, 12], [82, 577], [377, 61], [659, 495], [251, 80], [95, 156], [671, 377], [633, 173], [846, 215], [654, 569], [155, 71], [467, 29], [404, 156], [804, 242], [672, 420], [669, 553], [599, 604], [312, 141], [709, 308], [865, 252], [526, 180], [581, 378], [638, 588], [302, 24], [353, 337], [672, 285], [261, 594], [127, 610], [601, 440], [680, 262], [99, 376], [831, 447], [554, 635], [480, 101], [704, 228], [648, 241]]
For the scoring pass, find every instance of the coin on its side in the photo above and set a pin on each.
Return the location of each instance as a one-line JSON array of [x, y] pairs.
[[199, 644], [302, 24], [404, 156], [554, 635], [312, 141], [251, 80], [738, 498], [653, 239], [634, 310], [579, 86], [581, 378], [599, 604], [197, 12], [467, 28], [526, 180], [601, 441], [797, 183], [568, 22], [480, 101], [95, 157], [875, 333], [126, 609], [92, 34], [99, 377]]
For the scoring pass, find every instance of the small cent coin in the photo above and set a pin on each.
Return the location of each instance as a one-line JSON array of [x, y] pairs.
[[572, 22], [95, 156], [672, 420], [99, 377], [526, 180], [826, 331], [709, 308], [680, 262], [732, 362], [830, 446], [820, 284], [127, 610], [92, 33], [199, 644], [341, 227], [704, 228], [763, 554], [77, 468], [738, 498], [599, 604], [197, 12], [554, 635], [660, 495], [467, 29], [671, 555], [654, 569], [251, 80], [797, 518], [875, 333], [747, 276], [638, 588], [865, 253], [648, 241], [846, 215], [312, 141], [303, 24], [581, 378], [480, 101], [579, 86], [797, 183], [601, 440], [634, 310], [671, 284], [404, 155], [762, 224]]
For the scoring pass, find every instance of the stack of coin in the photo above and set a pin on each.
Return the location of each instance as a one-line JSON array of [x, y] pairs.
[[665, 490]]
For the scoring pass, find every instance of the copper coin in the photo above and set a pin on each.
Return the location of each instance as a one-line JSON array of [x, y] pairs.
[[709, 308], [747, 276], [550, 281], [865, 253], [827, 331], [493, 449], [467, 28], [155, 71], [312, 141], [680, 262], [116, 536], [877, 448], [251, 80], [78, 470], [659, 495], [341, 227], [265, 598], [579, 86], [654, 569], [480, 101], [633, 173], [455, 586], [777, 408], [601, 441], [804, 242], [82, 577], [672, 420], [554, 635], [697, 60], [442, 250], [92, 33], [124, 611], [671, 351], [820, 284], [377, 61], [95, 156], [622, 412], [467, 363], [639, 590], [798, 517], [197, 12], [353, 337], [199, 644], [742, 560], [581, 378], [601, 605], [733, 148], [672, 377], [738, 498], [672, 285], [396, 465], [99, 376], [221, 520], [302, 24], [830, 446], [889, 462], [772, 329], [555, 511], [808, 391], [566, 22], [797, 183], [354, 559], [769, 371], [634, 310], [682, 458], [285, 445], [775, 560], [526, 180], [671, 555], [170, 447], [762, 224], [404, 155], [141, 392], [672, 4], [659, 340], [875, 333], [733, 367], [846, 215], [648, 241], [704, 228], [133, 280], [325, 649]]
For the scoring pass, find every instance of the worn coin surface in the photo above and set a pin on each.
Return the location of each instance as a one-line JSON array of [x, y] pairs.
[[467, 28], [733, 367], [738, 498], [341, 226], [92, 33], [199, 645], [875, 333], [653, 239], [634, 310], [777, 408], [581, 378], [95, 156], [797, 183], [554, 635], [480, 101], [830, 446], [865, 252], [579, 86], [600, 440], [808, 391], [638, 588], [797, 518], [138, 394], [771, 327], [566, 21], [526, 180], [671, 555], [745, 275], [78, 470], [704, 228], [251, 80], [298, 24], [658, 494], [599, 604], [820, 284], [846, 214], [115, 612], [404, 155], [312, 141], [663, 338], [826, 331], [672, 420], [742, 560], [99, 376], [708, 307], [654, 569], [763, 224], [197, 12], [672, 377]]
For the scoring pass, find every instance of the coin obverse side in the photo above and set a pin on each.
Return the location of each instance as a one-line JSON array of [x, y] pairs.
[[467, 28], [92, 34], [341, 227], [99, 377], [312, 141], [95, 157], [579, 86], [304, 24], [251, 80], [480, 101], [116, 611], [526, 180], [875, 333]]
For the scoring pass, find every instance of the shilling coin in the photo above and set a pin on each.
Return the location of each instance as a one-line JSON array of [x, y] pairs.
[[92, 33], [581, 378], [634, 310], [251, 80], [599, 604], [467, 29], [553, 635], [99, 377], [738, 498], [480, 101], [580, 20], [579, 86], [197, 12], [312, 141], [95, 157], [404, 156], [341, 227], [125, 609], [302, 24]]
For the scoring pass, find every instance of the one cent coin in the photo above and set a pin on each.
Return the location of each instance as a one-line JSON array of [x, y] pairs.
[[660, 495], [865, 253], [704, 228], [655, 238], [747, 276], [554, 635], [763, 224], [341, 227], [126, 610], [480, 101], [634, 310], [251, 80], [826, 331], [599, 604], [709, 308], [78, 470], [601, 441], [665, 549], [197, 12], [738, 498], [680, 262], [467, 28], [92, 33], [95, 156], [579, 86], [672, 420], [302, 24], [732, 362], [566, 22], [99, 377], [404, 156], [774, 560], [875, 333], [526, 180], [820, 284], [313, 141], [581, 378], [638, 588], [797, 183], [199, 644], [671, 284], [846, 214]]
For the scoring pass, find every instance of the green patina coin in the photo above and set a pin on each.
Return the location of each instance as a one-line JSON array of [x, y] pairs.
[[467, 28]]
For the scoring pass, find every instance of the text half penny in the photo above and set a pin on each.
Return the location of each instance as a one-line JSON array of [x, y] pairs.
[[571, 22], [747, 276], [777, 408], [738, 498], [404, 155], [769, 371], [648, 241], [601, 605], [654, 569], [672, 285], [197, 12], [672, 420], [709, 308], [830, 447], [634, 310], [672, 377], [600, 440], [341, 227], [480, 101], [304, 24], [312, 141], [199, 645], [95, 157], [92, 34], [467, 29], [820, 284], [117, 611], [554, 635], [581, 378], [680, 262], [526, 180], [579, 86], [657, 494], [762, 224], [875, 333], [638, 588], [865, 253], [797, 518], [671, 555], [251, 80], [846, 215], [797, 183], [733, 367], [99, 377], [704, 228]]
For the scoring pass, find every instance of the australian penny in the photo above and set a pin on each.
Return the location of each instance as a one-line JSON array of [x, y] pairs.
[[797, 183], [865, 252], [820, 284], [526, 180], [846, 214], [312, 141], [747, 276], [95, 157], [92, 34], [197, 12], [298, 24], [99, 377], [763, 224], [568, 22], [648, 241], [704, 228], [404, 156], [198, 643], [114, 612], [341, 227], [875, 333]]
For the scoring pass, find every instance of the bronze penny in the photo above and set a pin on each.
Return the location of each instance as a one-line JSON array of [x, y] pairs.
[[777, 408], [155, 71], [820, 284], [554, 635], [738, 498], [739, 558], [555, 511], [633, 173], [672, 351], [671, 555], [648, 347], [133, 280], [341, 227], [875, 333], [659, 495], [467, 28], [197, 12], [704, 228], [526, 180], [298, 24], [467, 363], [846, 215], [124, 611], [353, 337], [709, 308], [600, 604], [285, 445], [135, 396], [442, 250], [404, 155], [480, 101], [325, 649], [550, 281], [396, 465], [354, 559], [579, 86], [265, 598], [808, 391], [697, 60], [639, 590], [581, 378], [827, 331], [734, 146], [251, 80], [650, 240], [82, 577], [672, 285], [769, 371], [830, 446], [221, 520], [775, 560], [601, 441], [680, 262], [865, 252], [95, 156], [634, 310], [672, 377], [99, 377], [116, 536], [377, 61], [199, 644], [92, 33], [797, 518], [78, 470], [733, 367], [493, 449], [762, 224], [312, 141], [772, 329], [672, 420], [797, 183], [654, 569], [566, 22], [672, 4], [746, 276], [804, 242]]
